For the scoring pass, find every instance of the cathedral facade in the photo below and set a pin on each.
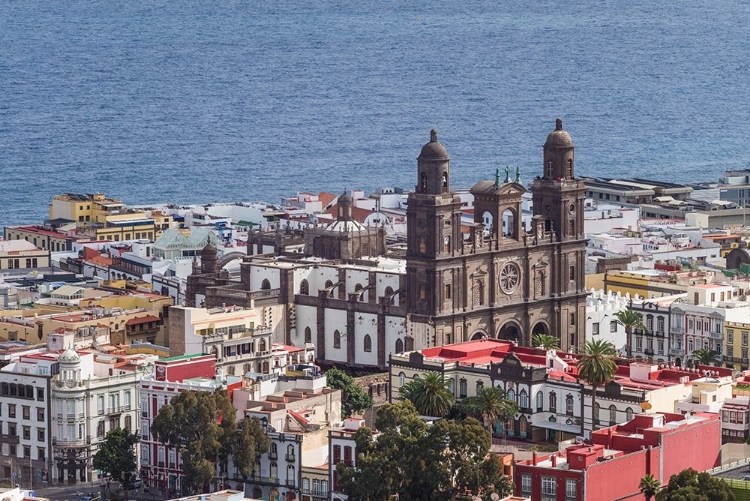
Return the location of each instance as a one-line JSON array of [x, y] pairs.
[[499, 279]]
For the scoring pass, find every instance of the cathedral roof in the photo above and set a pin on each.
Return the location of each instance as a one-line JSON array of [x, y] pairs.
[[558, 137], [433, 149], [489, 187]]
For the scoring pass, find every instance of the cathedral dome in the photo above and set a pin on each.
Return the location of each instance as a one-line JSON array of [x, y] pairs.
[[433, 149], [559, 137], [209, 251], [345, 198], [69, 356]]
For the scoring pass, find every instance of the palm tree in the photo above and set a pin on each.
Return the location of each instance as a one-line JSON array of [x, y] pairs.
[[430, 394], [490, 404], [545, 341], [630, 320], [597, 366], [648, 486], [705, 356]]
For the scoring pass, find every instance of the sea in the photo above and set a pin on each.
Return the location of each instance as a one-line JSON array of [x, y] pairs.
[[197, 101]]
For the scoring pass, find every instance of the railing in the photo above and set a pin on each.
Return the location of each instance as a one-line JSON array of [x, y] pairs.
[[717, 335], [115, 410], [71, 441], [273, 455], [9, 439], [290, 482], [290, 457], [267, 480], [316, 492], [728, 358], [648, 351], [676, 351], [265, 293]]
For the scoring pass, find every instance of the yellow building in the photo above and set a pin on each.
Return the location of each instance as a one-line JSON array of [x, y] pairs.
[[22, 255], [736, 345], [650, 283], [43, 238]]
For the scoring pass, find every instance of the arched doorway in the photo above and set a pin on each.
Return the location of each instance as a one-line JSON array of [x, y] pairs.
[[678, 362], [509, 331], [540, 328], [478, 335]]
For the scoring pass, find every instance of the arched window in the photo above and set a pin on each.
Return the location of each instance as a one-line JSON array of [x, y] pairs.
[[368, 343], [423, 182], [523, 426], [329, 284], [274, 470], [649, 323], [399, 346], [452, 386], [523, 399], [274, 448], [445, 182], [511, 395], [336, 339], [290, 474], [569, 405], [552, 402], [660, 325], [596, 413], [401, 379], [388, 294], [308, 335], [290, 450], [628, 414], [304, 288], [265, 285], [462, 388], [128, 422], [569, 169], [262, 345], [612, 415], [447, 244], [539, 401], [480, 385], [549, 170]]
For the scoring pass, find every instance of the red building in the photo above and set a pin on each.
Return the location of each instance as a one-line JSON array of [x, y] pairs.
[[160, 466], [611, 465]]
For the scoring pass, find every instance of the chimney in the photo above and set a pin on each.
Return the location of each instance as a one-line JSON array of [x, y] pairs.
[[553, 458], [533, 459]]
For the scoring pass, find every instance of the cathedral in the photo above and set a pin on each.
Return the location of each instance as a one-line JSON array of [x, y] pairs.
[[499, 279]]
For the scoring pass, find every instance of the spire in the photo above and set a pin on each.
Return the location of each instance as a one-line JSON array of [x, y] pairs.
[[558, 124], [433, 136]]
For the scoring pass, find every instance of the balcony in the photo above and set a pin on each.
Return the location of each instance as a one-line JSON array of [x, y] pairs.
[[319, 493], [676, 329], [115, 410], [290, 482], [728, 358], [677, 352], [71, 441], [273, 455], [717, 335], [290, 457], [263, 480], [649, 352], [9, 439]]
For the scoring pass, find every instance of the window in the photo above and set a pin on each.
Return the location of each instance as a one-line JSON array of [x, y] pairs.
[[744, 338], [40, 394], [12, 410], [511, 395], [336, 454], [596, 413], [612, 415], [523, 399], [639, 343], [571, 488], [447, 244], [447, 291], [730, 336], [569, 405], [400, 346], [539, 401], [661, 347], [128, 402], [27, 432], [401, 379], [571, 273], [572, 319], [336, 339], [368, 343], [526, 483], [304, 288], [549, 486], [308, 335], [422, 292], [552, 402], [100, 404], [595, 328], [26, 412], [40, 413], [41, 453], [613, 326], [100, 429], [40, 432], [628, 414], [265, 285], [649, 323], [660, 325], [462, 390], [569, 175]]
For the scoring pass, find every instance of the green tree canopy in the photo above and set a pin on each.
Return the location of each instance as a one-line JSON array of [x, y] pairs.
[[490, 404], [648, 486], [116, 456], [545, 341], [630, 320], [689, 485], [430, 394], [203, 428], [705, 356], [353, 398], [597, 366], [421, 462]]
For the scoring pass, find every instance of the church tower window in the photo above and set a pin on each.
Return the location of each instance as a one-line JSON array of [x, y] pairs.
[[569, 169], [549, 170], [445, 182], [423, 182]]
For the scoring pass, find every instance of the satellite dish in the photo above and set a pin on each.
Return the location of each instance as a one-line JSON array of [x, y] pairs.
[[646, 406]]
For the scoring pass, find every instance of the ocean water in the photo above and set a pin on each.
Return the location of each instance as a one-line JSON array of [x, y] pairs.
[[196, 101]]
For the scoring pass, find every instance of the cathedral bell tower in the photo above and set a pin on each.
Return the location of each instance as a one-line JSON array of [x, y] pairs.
[[558, 195], [433, 219]]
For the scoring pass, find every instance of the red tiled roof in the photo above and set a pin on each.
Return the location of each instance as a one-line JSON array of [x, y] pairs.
[[358, 214], [142, 320], [326, 198]]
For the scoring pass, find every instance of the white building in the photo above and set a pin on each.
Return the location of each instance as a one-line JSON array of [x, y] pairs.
[[601, 322]]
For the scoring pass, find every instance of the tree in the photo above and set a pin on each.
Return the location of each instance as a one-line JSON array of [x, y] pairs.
[[490, 404], [597, 366], [648, 486], [202, 426], [421, 462], [630, 320], [430, 394], [545, 341], [689, 485], [353, 398], [116, 456], [705, 356]]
